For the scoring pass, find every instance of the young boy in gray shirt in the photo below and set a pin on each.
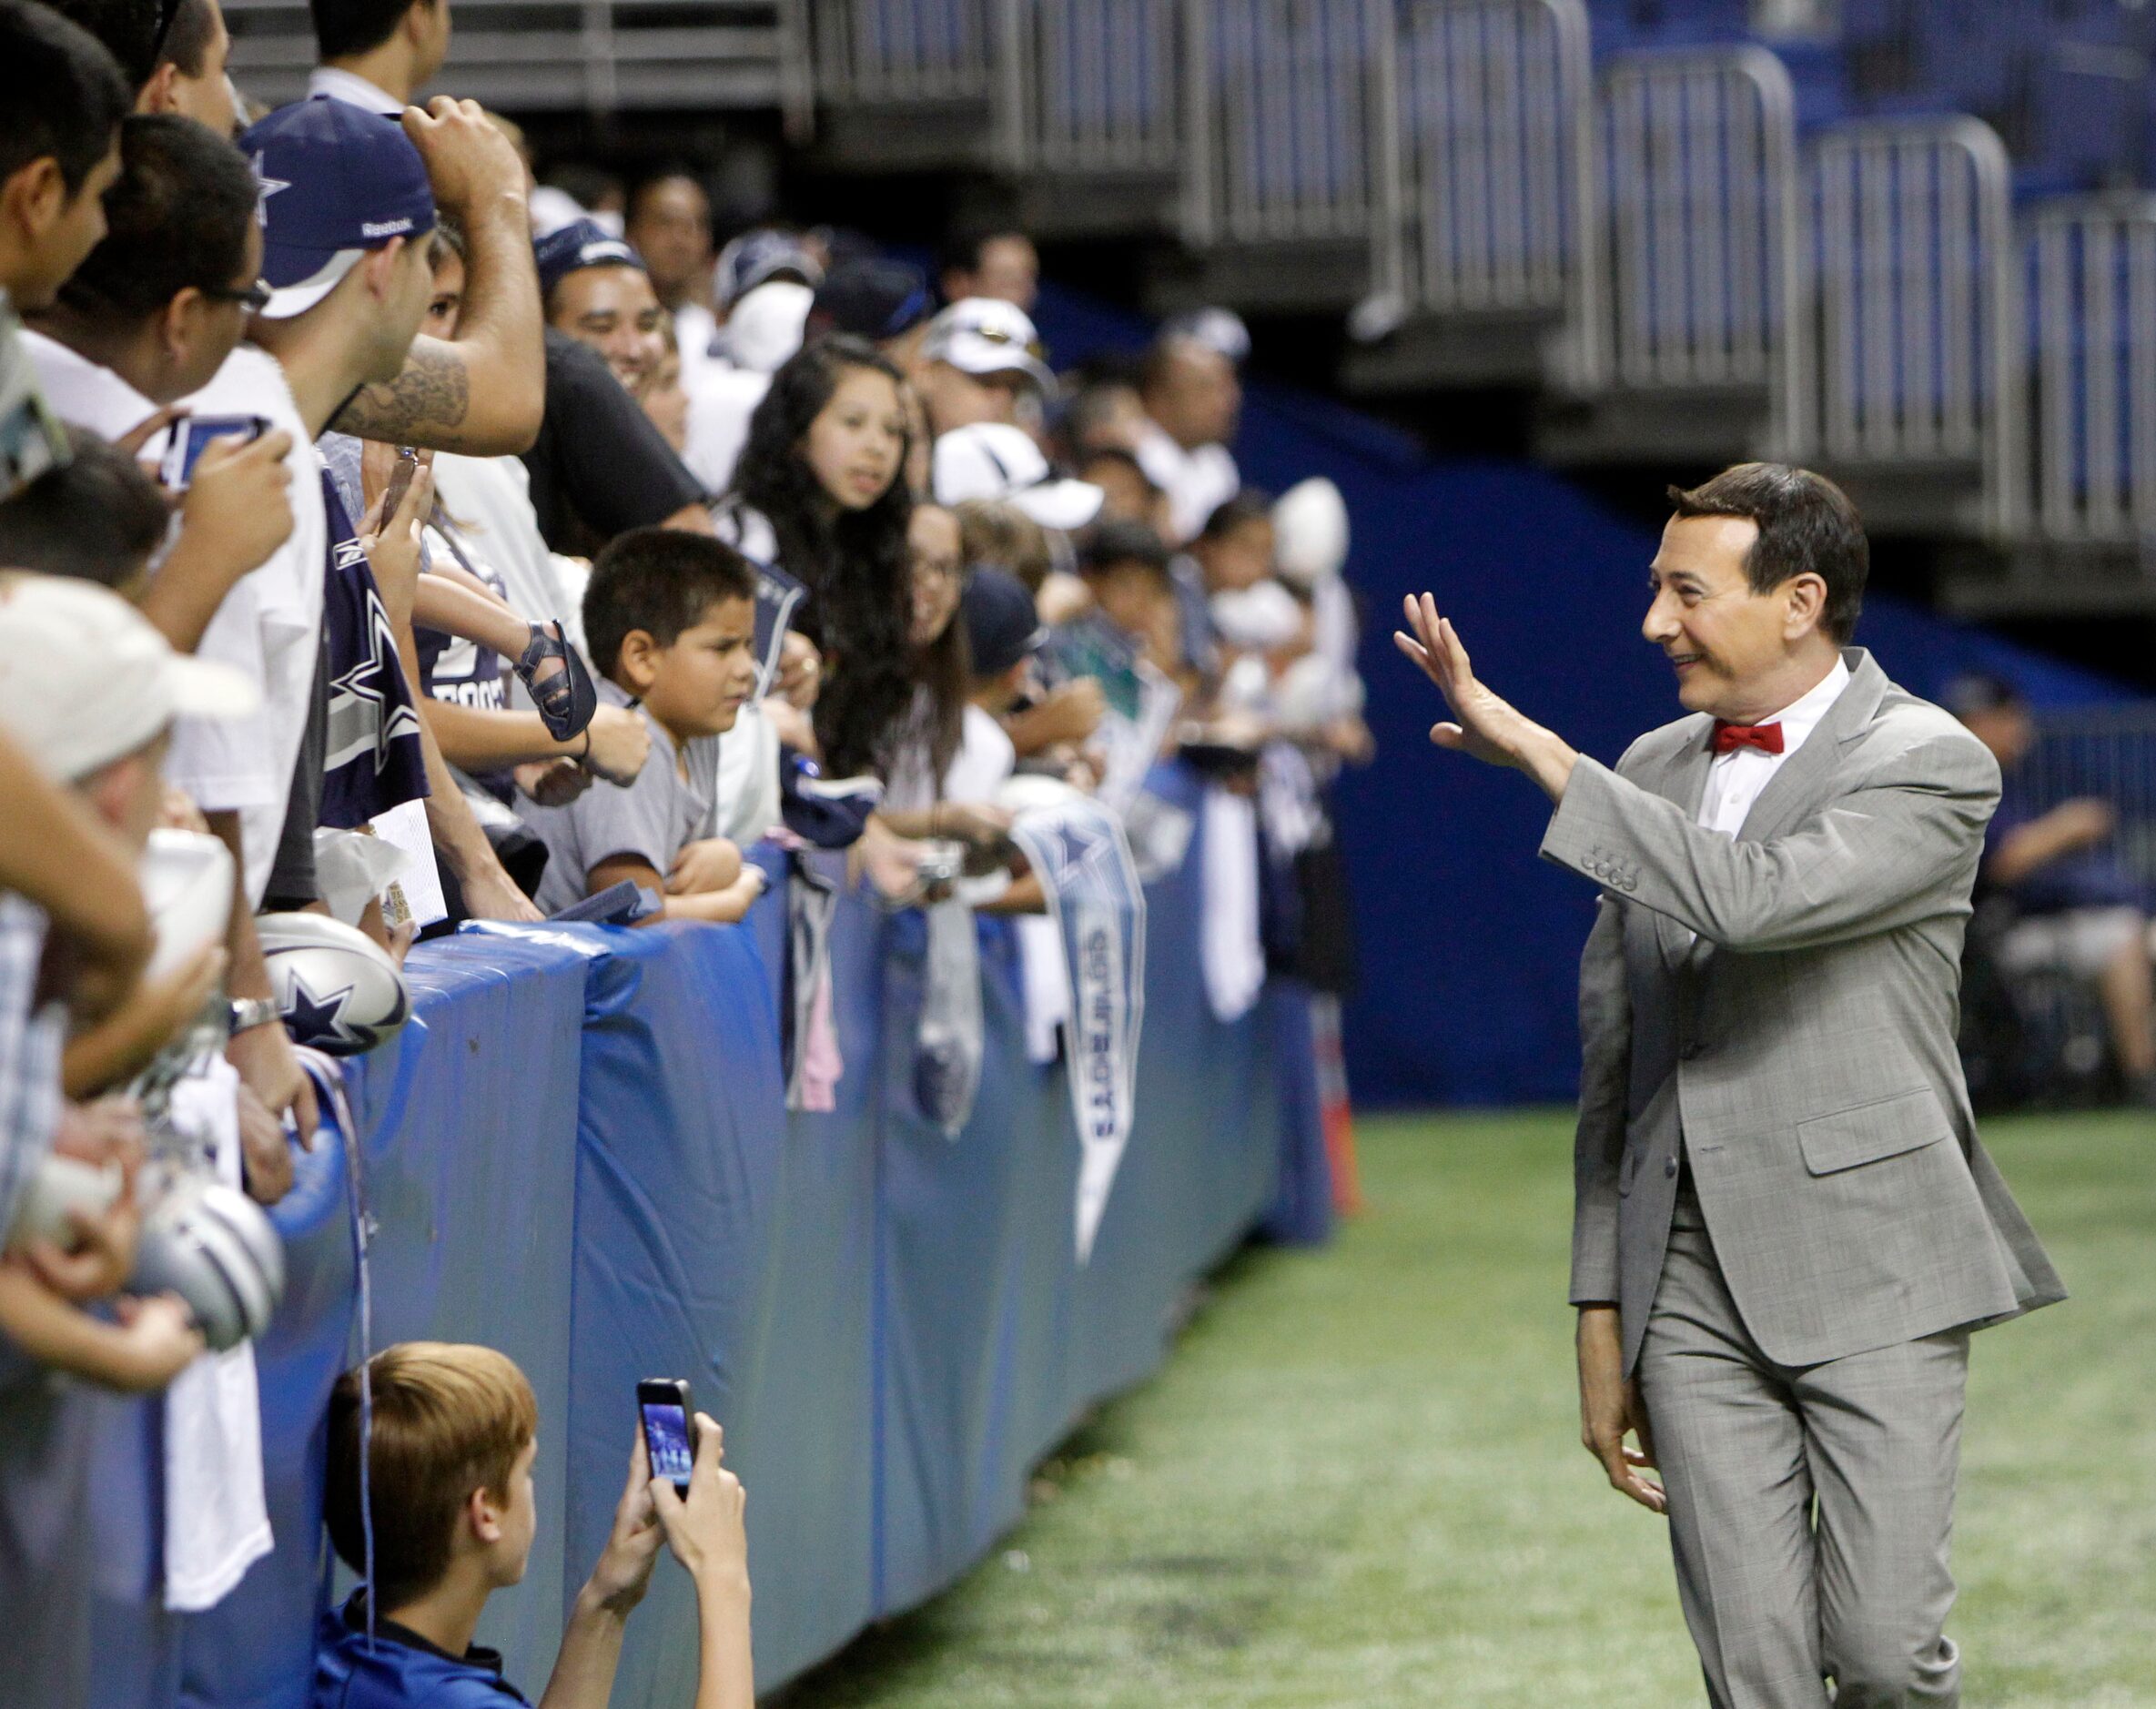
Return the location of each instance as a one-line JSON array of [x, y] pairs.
[[669, 619]]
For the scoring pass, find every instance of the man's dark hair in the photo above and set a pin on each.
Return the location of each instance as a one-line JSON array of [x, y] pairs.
[[960, 251], [1120, 541], [176, 216], [1805, 522], [1116, 455], [97, 516], [660, 580], [186, 37], [128, 31], [1250, 504], [345, 27], [666, 172], [61, 94]]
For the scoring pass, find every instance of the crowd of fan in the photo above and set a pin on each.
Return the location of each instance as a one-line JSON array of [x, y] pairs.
[[410, 528]]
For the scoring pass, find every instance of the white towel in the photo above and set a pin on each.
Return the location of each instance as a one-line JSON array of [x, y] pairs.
[[216, 1518], [1231, 950]]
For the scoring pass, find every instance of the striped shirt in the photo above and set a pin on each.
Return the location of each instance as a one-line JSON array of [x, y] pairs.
[[29, 1054]]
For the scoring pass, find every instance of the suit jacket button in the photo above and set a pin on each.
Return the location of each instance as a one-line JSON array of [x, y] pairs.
[[1691, 1050], [1670, 1168]]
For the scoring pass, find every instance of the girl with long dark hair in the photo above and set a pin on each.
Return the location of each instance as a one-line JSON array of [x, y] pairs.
[[818, 492]]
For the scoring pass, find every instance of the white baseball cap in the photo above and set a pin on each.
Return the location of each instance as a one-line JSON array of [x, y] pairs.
[[86, 681], [764, 328], [990, 460], [985, 335]]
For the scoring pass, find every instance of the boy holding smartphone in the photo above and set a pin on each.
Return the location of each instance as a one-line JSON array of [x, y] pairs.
[[455, 1433]]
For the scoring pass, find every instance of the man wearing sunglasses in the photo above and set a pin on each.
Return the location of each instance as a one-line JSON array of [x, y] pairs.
[[148, 318]]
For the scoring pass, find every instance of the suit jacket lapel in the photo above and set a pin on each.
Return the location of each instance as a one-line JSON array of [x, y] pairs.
[[1812, 776]]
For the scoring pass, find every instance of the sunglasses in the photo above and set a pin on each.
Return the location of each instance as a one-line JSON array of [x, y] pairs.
[[254, 297]]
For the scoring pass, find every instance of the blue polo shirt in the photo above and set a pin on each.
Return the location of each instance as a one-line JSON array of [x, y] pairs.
[[400, 1669]]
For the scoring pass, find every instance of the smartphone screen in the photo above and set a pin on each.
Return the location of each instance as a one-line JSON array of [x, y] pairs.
[[193, 436], [669, 1432]]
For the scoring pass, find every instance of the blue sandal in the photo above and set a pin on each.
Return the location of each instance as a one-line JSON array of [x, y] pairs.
[[566, 699]]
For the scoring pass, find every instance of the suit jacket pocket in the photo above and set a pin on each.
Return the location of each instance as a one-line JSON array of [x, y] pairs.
[[1864, 1133]]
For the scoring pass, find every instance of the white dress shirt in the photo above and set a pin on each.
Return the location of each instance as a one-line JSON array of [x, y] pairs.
[[1735, 778], [353, 89]]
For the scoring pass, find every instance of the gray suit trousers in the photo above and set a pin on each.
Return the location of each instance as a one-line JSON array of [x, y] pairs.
[[1809, 1506]]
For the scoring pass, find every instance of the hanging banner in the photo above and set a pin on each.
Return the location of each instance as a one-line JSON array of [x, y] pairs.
[[1077, 847]]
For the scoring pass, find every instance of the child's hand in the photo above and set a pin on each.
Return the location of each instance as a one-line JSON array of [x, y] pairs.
[[713, 863], [706, 1532], [156, 1340], [555, 783], [625, 1571]]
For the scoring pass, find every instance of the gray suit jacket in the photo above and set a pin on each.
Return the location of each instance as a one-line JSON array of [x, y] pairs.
[[1801, 1048]]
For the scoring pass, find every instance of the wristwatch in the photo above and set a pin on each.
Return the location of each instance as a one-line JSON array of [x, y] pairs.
[[248, 1012]]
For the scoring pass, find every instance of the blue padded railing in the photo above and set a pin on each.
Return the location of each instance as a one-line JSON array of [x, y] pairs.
[[578, 1151]]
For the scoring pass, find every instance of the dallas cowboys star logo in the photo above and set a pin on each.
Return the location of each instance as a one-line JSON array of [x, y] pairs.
[[319, 1020], [266, 187]]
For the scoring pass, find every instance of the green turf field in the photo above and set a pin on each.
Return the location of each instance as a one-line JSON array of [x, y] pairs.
[[1358, 1482]]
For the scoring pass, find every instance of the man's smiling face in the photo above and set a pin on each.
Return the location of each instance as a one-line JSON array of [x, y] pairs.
[[1724, 641]]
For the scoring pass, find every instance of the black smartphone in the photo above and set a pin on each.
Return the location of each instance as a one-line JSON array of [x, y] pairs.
[[623, 903], [192, 436], [668, 1428]]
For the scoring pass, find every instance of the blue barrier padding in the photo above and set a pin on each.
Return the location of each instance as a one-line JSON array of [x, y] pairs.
[[578, 1152], [469, 1134]]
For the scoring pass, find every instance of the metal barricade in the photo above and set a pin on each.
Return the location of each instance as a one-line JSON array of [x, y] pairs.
[[1706, 283], [2108, 752], [1288, 119], [880, 51], [1498, 206], [1089, 86], [592, 55], [2095, 262], [1921, 341]]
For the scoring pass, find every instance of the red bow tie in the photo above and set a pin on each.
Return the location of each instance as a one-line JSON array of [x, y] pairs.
[[1729, 738]]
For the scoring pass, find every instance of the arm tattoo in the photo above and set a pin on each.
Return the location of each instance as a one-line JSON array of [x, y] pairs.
[[425, 405]]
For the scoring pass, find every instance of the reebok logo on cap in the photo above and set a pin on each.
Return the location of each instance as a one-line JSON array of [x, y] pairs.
[[336, 182]]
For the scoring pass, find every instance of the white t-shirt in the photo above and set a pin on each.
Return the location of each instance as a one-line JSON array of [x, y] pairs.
[[269, 626], [82, 392], [1197, 482], [695, 330], [722, 399], [984, 762]]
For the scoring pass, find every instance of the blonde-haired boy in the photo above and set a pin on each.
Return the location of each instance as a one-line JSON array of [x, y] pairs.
[[454, 1436]]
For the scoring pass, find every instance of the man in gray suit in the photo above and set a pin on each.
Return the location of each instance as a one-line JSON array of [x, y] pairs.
[[1785, 1226]]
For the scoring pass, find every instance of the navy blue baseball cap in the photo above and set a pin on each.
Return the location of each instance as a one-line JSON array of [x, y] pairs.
[[335, 181], [758, 257], [1002, 625], [579, 244], [871, 299]]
